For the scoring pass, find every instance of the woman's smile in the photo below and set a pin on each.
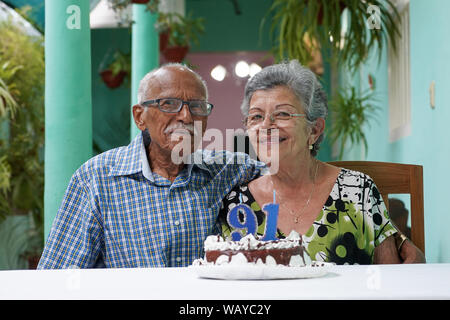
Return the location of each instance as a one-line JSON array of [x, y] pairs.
[[269, 140]]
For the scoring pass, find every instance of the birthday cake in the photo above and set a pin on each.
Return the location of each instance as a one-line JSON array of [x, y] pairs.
[[249, 250]]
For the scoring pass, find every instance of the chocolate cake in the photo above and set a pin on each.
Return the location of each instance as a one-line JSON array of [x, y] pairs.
[[287, 252]]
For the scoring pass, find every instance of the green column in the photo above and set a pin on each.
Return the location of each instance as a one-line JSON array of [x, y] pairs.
[[144, 51], [68, 105]]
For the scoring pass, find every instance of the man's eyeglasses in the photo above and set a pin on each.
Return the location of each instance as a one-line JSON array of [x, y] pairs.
[[174, 105], [256, 119]]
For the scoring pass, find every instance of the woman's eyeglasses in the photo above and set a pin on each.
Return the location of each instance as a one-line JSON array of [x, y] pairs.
[[256, 119]]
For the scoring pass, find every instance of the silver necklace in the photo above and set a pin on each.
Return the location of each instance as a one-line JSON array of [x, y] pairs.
[[297, 216]]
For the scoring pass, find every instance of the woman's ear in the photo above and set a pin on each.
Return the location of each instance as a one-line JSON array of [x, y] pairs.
[[138, 115], [317, 130]]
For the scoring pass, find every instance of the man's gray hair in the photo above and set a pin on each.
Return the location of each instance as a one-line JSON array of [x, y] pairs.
[[301, 81], [144, 83]]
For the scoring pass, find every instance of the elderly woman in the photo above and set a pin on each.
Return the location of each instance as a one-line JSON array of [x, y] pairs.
[[339, 212]]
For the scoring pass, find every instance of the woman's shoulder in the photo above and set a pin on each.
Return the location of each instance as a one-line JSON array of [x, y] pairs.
[[357, 185], [354, 178]]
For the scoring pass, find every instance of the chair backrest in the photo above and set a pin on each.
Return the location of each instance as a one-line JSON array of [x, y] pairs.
[[396, 178]]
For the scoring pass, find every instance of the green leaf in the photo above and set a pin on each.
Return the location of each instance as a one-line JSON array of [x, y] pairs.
[[294, 18], [22, 75], [352, 111]]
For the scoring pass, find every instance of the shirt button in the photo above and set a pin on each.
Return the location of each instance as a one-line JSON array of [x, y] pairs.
[[176, 222], [178, 259]]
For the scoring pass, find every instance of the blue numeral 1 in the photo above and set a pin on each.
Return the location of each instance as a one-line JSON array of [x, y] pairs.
[[271, 210]]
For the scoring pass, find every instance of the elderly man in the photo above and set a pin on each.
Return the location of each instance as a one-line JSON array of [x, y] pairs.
[[134, 206]]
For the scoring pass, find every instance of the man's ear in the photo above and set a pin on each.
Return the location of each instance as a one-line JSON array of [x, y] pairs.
[[138, 115]]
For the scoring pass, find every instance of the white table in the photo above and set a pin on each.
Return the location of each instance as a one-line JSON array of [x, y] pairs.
[[426, 281]]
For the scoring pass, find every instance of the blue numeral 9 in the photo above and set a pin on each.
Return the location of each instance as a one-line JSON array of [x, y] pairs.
[[250, 222]]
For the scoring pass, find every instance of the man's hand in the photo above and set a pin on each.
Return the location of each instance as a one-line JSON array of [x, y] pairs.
[[409, 253], [386, 252]]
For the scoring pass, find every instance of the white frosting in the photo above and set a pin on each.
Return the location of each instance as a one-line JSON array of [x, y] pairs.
[[270, 261], [250, 242], [238, 259], [307, 258], [296, 261], [223, 259]]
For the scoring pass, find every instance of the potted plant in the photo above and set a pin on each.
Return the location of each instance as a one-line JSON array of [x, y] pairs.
[[351, 112], [117, 70], [123, 10], [22, 71], [117, 5], [177, 33], [296, 24]]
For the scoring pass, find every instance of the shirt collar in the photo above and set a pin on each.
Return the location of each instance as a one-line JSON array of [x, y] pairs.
[[129, 159], [133, 159], [146, 170]]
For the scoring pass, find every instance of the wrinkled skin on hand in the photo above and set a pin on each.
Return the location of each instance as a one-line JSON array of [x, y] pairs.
[[409, 253]]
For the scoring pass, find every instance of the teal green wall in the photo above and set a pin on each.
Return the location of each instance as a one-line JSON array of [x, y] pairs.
[[68, 108], [226, 31], [427, 145], [110, 107], [144, 54]]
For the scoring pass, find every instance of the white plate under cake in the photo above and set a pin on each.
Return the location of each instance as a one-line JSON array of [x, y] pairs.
[[250, 258]]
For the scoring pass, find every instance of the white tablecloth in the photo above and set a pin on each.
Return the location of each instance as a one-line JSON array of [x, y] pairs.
[[425, 281]]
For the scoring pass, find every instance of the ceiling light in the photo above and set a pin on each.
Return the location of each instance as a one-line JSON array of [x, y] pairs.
[[218, 73], [242, 69], [254, 69]]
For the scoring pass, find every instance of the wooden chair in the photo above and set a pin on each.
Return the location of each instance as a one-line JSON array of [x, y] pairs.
[[396, 178]]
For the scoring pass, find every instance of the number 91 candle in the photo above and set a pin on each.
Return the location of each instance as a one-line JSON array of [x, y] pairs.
[[242, 217]]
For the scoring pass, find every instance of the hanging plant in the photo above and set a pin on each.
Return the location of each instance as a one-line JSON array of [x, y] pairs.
[[177, 34], [123, 12], [347, 30], [152, 5], [300, 27], [351, 112], [117, 71]]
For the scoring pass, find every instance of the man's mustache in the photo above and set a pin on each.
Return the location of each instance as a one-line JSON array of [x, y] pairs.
[[181, 126]]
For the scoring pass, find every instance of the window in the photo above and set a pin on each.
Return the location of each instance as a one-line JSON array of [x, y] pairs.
[[399, 79]]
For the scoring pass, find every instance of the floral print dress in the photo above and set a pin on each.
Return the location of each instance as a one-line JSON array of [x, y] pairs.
[[352, 222]]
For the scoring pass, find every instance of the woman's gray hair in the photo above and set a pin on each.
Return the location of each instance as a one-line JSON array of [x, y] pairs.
[[301, 81]]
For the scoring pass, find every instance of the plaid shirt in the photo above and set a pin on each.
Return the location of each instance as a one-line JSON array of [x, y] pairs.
[[116, 213]]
